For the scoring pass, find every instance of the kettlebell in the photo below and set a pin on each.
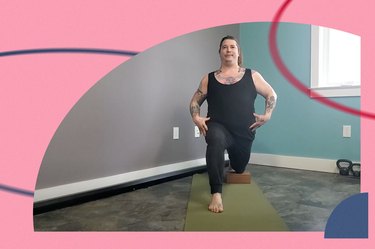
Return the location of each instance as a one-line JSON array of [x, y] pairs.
[[345, 166], [356, 169]]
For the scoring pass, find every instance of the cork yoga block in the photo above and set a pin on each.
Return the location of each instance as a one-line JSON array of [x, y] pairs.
[[234, 178]]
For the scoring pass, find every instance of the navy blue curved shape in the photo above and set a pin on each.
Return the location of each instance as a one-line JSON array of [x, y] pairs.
[[16, 190], [69, 50], [349, 219]]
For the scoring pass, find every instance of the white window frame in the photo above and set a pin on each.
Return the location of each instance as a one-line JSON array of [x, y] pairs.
[[316, 68]]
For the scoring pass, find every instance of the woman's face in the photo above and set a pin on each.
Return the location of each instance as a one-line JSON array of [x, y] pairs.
[[229, 51]]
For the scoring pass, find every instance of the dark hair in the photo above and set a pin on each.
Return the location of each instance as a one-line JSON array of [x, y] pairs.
[[229, 37]]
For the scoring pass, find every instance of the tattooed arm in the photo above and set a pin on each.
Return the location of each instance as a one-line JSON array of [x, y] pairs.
[[264, 89], [197, 100]]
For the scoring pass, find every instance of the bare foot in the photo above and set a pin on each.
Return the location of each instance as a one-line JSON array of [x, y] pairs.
[[216, 204]]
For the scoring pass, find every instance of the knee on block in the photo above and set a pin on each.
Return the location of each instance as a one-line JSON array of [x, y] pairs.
[[232, 177]]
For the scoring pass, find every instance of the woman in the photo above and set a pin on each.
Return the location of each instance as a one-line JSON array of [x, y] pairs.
[[231, 120]]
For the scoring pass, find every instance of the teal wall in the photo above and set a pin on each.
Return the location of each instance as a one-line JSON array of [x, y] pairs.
[[300, 126]]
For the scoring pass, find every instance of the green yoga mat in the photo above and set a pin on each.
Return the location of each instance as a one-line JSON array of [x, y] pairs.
[[245, 209]]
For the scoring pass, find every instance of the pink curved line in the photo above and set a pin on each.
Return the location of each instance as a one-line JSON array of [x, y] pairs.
[[293, 80]]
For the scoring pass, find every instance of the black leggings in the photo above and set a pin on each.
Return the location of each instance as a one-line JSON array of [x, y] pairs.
[[219, 139]]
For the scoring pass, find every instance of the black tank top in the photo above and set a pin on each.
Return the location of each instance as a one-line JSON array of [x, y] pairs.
[[232, 105]]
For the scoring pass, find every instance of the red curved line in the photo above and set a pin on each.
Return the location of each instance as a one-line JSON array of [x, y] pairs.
[[293, 80]]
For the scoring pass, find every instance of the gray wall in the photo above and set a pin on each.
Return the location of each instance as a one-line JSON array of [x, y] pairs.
[[124, 122]]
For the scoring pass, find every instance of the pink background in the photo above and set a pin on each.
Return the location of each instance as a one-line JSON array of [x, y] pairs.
[[37, 91]]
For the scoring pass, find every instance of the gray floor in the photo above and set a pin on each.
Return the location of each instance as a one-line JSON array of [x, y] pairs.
[[304, 199]]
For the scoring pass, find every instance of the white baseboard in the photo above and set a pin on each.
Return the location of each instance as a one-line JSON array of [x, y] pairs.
[[303, 163], [293, 162], [103, 182]]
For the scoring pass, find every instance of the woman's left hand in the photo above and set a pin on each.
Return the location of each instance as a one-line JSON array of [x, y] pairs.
[[259, 121]]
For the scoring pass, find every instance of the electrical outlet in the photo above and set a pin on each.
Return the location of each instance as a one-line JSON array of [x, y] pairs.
[[176, 132], [346, 130], [197, 133]]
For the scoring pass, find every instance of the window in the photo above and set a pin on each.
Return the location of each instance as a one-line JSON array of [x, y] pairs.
[[335, 62]]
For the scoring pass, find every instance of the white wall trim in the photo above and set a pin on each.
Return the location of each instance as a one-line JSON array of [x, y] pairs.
[[293, 162], [339, 91], [303, 163], [103, 182]]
